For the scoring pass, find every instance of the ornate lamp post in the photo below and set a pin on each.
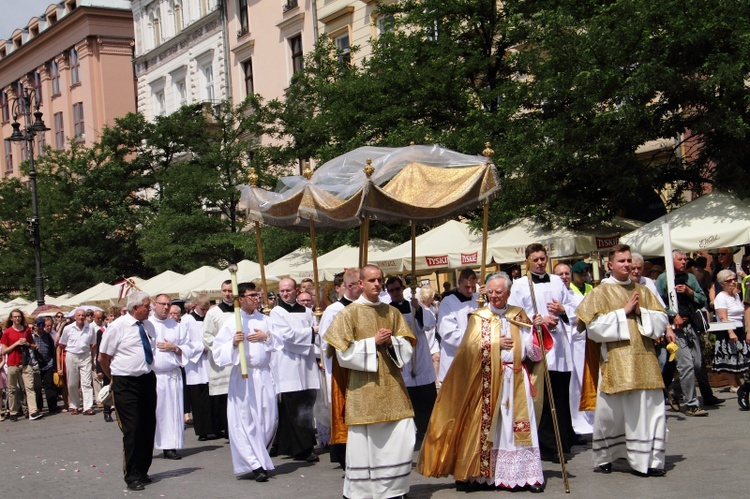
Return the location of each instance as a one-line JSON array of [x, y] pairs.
[[22, 105]]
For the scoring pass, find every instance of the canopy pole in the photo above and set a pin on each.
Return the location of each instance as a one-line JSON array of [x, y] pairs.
[[318, 312], [253, 178], [481, 300], [365, 229]]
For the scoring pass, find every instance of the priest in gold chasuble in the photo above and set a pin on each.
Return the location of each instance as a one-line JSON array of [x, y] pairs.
[[483, 427], [370, 342], [622, 377]]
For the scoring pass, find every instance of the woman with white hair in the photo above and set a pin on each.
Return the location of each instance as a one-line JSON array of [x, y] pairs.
[[732, 353]]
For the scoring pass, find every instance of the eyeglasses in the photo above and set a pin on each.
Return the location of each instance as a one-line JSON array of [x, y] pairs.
[[59, 316], [251, 295], [731, 279]]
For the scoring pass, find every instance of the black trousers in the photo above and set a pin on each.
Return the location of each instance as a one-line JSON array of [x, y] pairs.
[[202, 421], [135, 399], [296, 434], [50, 391], [219, 413], [423, 400], [560, 382]]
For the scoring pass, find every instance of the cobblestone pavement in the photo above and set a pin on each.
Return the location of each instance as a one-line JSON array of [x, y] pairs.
[[80, 456]]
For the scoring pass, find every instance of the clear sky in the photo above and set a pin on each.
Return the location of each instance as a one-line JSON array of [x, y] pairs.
[[16, 14]]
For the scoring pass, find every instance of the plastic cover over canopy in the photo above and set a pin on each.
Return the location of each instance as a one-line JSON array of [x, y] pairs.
[[425, 184]]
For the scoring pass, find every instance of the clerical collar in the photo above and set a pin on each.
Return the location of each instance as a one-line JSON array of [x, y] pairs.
[[294, 308], [403, 306], [612, 280], [198, 317], [226, 307], [345, 301], [364, 301], [498, 311], [461, 297], [539, 278]]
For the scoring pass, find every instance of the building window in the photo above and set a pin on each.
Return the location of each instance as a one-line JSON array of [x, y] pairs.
[[244, 21], [204, 7], [59, 132], [159, 107], [20, 102], [181, 93], [8, 155], [208, 77], [177, 10], [298, 61], [5, 106], [247, 67], [345, 53], [54, 72], [36, 81], [78, 128], [385, 24], [75, 68], [157, 32]]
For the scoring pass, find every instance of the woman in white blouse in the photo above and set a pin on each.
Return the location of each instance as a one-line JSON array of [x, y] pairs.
[[732, 353]]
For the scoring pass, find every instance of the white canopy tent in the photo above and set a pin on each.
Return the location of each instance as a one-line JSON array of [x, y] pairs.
[[115, 296], [338, 260], [712, 221], [158, 283], [508, 244], [450, 245], [282, 266], [20, 303], [85, 295], [247, 270], [180, 288]]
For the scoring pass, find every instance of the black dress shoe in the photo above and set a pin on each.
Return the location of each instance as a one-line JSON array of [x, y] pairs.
[[713, 402], [107, 417], [202, 438], [261, 475], [172, 454], [136, 485], [147, 479], [656, 472], [538, 488], [605, 468]]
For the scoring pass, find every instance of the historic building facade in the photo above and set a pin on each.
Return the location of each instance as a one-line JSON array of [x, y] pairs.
[[77, 57]]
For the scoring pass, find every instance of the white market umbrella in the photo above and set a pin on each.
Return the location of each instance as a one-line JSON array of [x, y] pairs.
[[508, 244], [450, 245], [712, 221]]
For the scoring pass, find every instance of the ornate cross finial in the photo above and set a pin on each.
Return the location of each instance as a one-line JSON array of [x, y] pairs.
[[253, 177], [488, 152], [369, 169], [307, 173]]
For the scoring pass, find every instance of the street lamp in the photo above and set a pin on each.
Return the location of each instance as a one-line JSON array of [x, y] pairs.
[[22, 105]]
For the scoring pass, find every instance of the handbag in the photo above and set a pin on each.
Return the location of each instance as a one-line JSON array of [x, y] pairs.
[[58, 380]]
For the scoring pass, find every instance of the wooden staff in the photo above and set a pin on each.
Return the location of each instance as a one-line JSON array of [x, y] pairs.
[[318, 311], [238, 319], [253, 178], [548, 383], [364, 230], [414, 292], [487, 153]]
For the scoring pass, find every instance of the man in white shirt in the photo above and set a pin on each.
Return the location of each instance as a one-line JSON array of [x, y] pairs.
[[126, 356], [78, 341]]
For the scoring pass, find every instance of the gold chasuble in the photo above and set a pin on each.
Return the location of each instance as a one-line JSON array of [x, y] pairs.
[[359, 397], [630, 364], [458, 441]]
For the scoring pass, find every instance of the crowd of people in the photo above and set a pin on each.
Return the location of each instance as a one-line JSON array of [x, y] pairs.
[[388, 369]]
